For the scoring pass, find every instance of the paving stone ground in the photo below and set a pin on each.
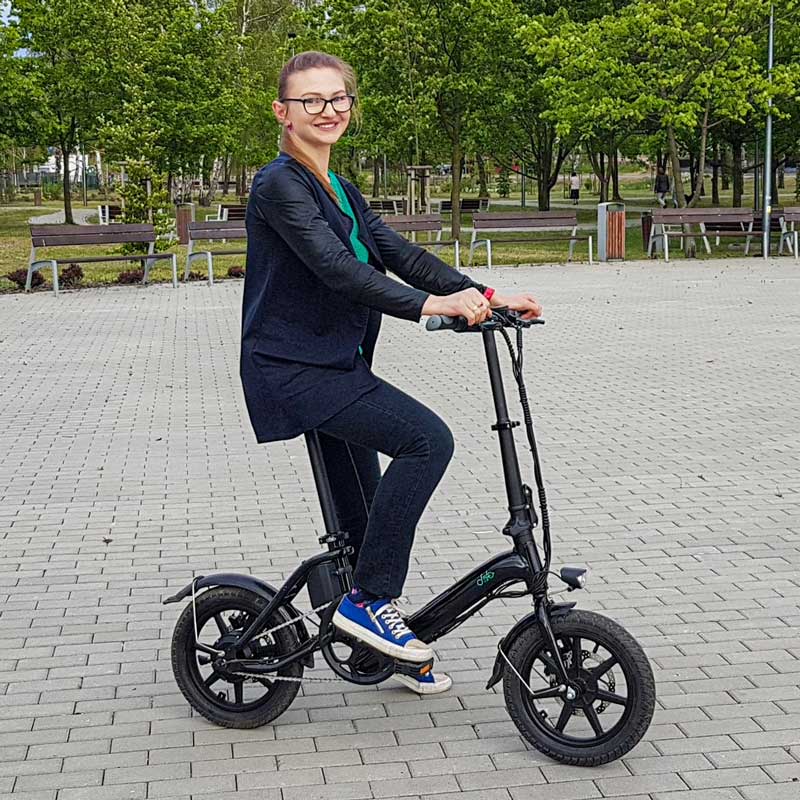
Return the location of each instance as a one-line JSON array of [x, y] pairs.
[[667, 399]]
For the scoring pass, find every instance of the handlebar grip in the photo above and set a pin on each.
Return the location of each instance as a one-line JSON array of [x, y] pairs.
[[440, 322]]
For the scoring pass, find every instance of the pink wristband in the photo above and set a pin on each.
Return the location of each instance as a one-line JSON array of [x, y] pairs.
[[488, 292]]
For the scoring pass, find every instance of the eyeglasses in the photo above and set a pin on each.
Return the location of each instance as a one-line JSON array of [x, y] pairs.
[[316, 105]]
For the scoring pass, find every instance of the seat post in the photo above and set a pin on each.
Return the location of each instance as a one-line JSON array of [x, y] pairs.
[[323, 485]]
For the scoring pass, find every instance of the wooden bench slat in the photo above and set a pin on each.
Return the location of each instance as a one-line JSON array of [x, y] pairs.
[[131, 257], [66, 241]]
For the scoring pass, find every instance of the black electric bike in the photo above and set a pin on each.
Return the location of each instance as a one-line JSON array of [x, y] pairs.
[[577, 685]]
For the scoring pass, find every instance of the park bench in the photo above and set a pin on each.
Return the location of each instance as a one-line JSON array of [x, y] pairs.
[[227, 212], [107, 214], [469, 205], [790, 230], [210, 231], [385, 206], [564, 224], [420, 223], [714, 222], [74, 236]]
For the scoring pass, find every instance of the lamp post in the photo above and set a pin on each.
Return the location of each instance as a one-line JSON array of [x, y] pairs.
[[766, 205]]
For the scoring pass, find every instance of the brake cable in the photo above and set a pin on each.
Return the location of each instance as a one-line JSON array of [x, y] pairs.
[[516, 366]]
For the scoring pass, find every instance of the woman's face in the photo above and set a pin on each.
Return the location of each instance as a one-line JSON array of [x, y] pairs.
[[318, 130]]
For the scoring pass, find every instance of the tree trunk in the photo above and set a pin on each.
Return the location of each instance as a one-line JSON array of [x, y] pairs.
[[456, 156], [725, 168], [483, 184], [675, 163], [698, 188], [542, 191], [376, 177], [598, 162], [781, 182], [737, 174], [226, 173], [66, 149], [615, 195], [715, 201]]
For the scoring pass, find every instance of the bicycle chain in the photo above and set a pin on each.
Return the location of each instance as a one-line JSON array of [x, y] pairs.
[[289, 678]]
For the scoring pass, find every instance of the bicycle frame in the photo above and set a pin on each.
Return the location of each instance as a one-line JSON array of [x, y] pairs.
[[443, 613]]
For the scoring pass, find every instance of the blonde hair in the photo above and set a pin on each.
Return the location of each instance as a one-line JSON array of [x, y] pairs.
[[313, 59]]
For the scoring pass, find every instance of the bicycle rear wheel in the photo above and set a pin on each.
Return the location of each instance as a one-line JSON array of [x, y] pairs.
[[225, 699]]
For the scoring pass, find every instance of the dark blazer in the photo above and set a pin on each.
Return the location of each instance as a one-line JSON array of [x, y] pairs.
[[309, 303]]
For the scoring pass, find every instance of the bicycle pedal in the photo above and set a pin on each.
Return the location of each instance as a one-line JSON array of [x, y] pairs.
[[412, 669]]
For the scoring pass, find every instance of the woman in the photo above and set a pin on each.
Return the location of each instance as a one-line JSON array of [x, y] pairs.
[[315, 289], [661, 186]]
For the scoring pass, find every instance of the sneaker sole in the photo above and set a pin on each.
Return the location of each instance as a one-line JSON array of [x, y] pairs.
[[373, 640], [423, 688]]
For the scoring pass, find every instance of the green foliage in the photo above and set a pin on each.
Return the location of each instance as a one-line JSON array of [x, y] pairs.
[[503, 183], [143, 207]]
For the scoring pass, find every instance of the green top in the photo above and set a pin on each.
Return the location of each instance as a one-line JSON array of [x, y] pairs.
[[361, 252]]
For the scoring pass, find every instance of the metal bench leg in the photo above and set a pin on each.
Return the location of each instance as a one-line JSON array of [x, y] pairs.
[[488, 254], [590, 252], [796, 242], [666, 246], [174, 271], [189, 253], [705, 238], [209, 260], [457, 248]]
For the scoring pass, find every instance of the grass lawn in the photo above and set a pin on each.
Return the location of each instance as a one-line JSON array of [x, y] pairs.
[[15, 238]]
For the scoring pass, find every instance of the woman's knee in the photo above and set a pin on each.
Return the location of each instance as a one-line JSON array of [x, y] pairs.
[[434, 441]]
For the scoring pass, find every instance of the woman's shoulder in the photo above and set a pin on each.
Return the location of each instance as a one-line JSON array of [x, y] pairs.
[[280, 173]]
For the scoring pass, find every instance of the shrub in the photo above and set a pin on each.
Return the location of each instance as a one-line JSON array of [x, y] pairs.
[[196, 276], [236, 272], [19, 276], [131, 276], [71, 277]]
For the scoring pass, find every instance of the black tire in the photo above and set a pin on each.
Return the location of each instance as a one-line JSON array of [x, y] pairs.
[[195, 676], [597, 674]]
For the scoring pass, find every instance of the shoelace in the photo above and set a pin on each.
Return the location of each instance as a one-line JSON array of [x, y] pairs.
[[393, 619]]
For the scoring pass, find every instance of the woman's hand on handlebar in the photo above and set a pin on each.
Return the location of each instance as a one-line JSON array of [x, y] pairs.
[[469, 303], [524, 302]]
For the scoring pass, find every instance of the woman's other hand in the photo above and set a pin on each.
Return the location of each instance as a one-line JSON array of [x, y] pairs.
[[469, 303], [523, 302]]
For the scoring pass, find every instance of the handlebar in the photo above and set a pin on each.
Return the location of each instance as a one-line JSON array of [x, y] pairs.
[[501, 318]]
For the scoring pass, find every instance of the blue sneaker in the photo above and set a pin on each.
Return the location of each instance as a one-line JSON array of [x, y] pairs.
[[378, 624], [425, 684]]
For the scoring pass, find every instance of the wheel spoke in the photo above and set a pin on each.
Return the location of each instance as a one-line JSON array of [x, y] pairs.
[[211, 680], [594, 720], [544, 694], [238, 693], [610, 697], [576, 654], [563, 717], [603, 667], [221, 624]]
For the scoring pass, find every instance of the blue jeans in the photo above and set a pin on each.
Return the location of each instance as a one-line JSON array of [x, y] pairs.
[[381, 512]]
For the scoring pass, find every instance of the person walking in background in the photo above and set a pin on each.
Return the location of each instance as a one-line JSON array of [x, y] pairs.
[[661, 187], [574, 188]]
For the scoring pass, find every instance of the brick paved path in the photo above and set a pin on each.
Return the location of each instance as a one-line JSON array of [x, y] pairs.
[[668, 401]]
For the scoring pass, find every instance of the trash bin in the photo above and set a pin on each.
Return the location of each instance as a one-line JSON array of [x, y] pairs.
[[184, 214], [610, 231]]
